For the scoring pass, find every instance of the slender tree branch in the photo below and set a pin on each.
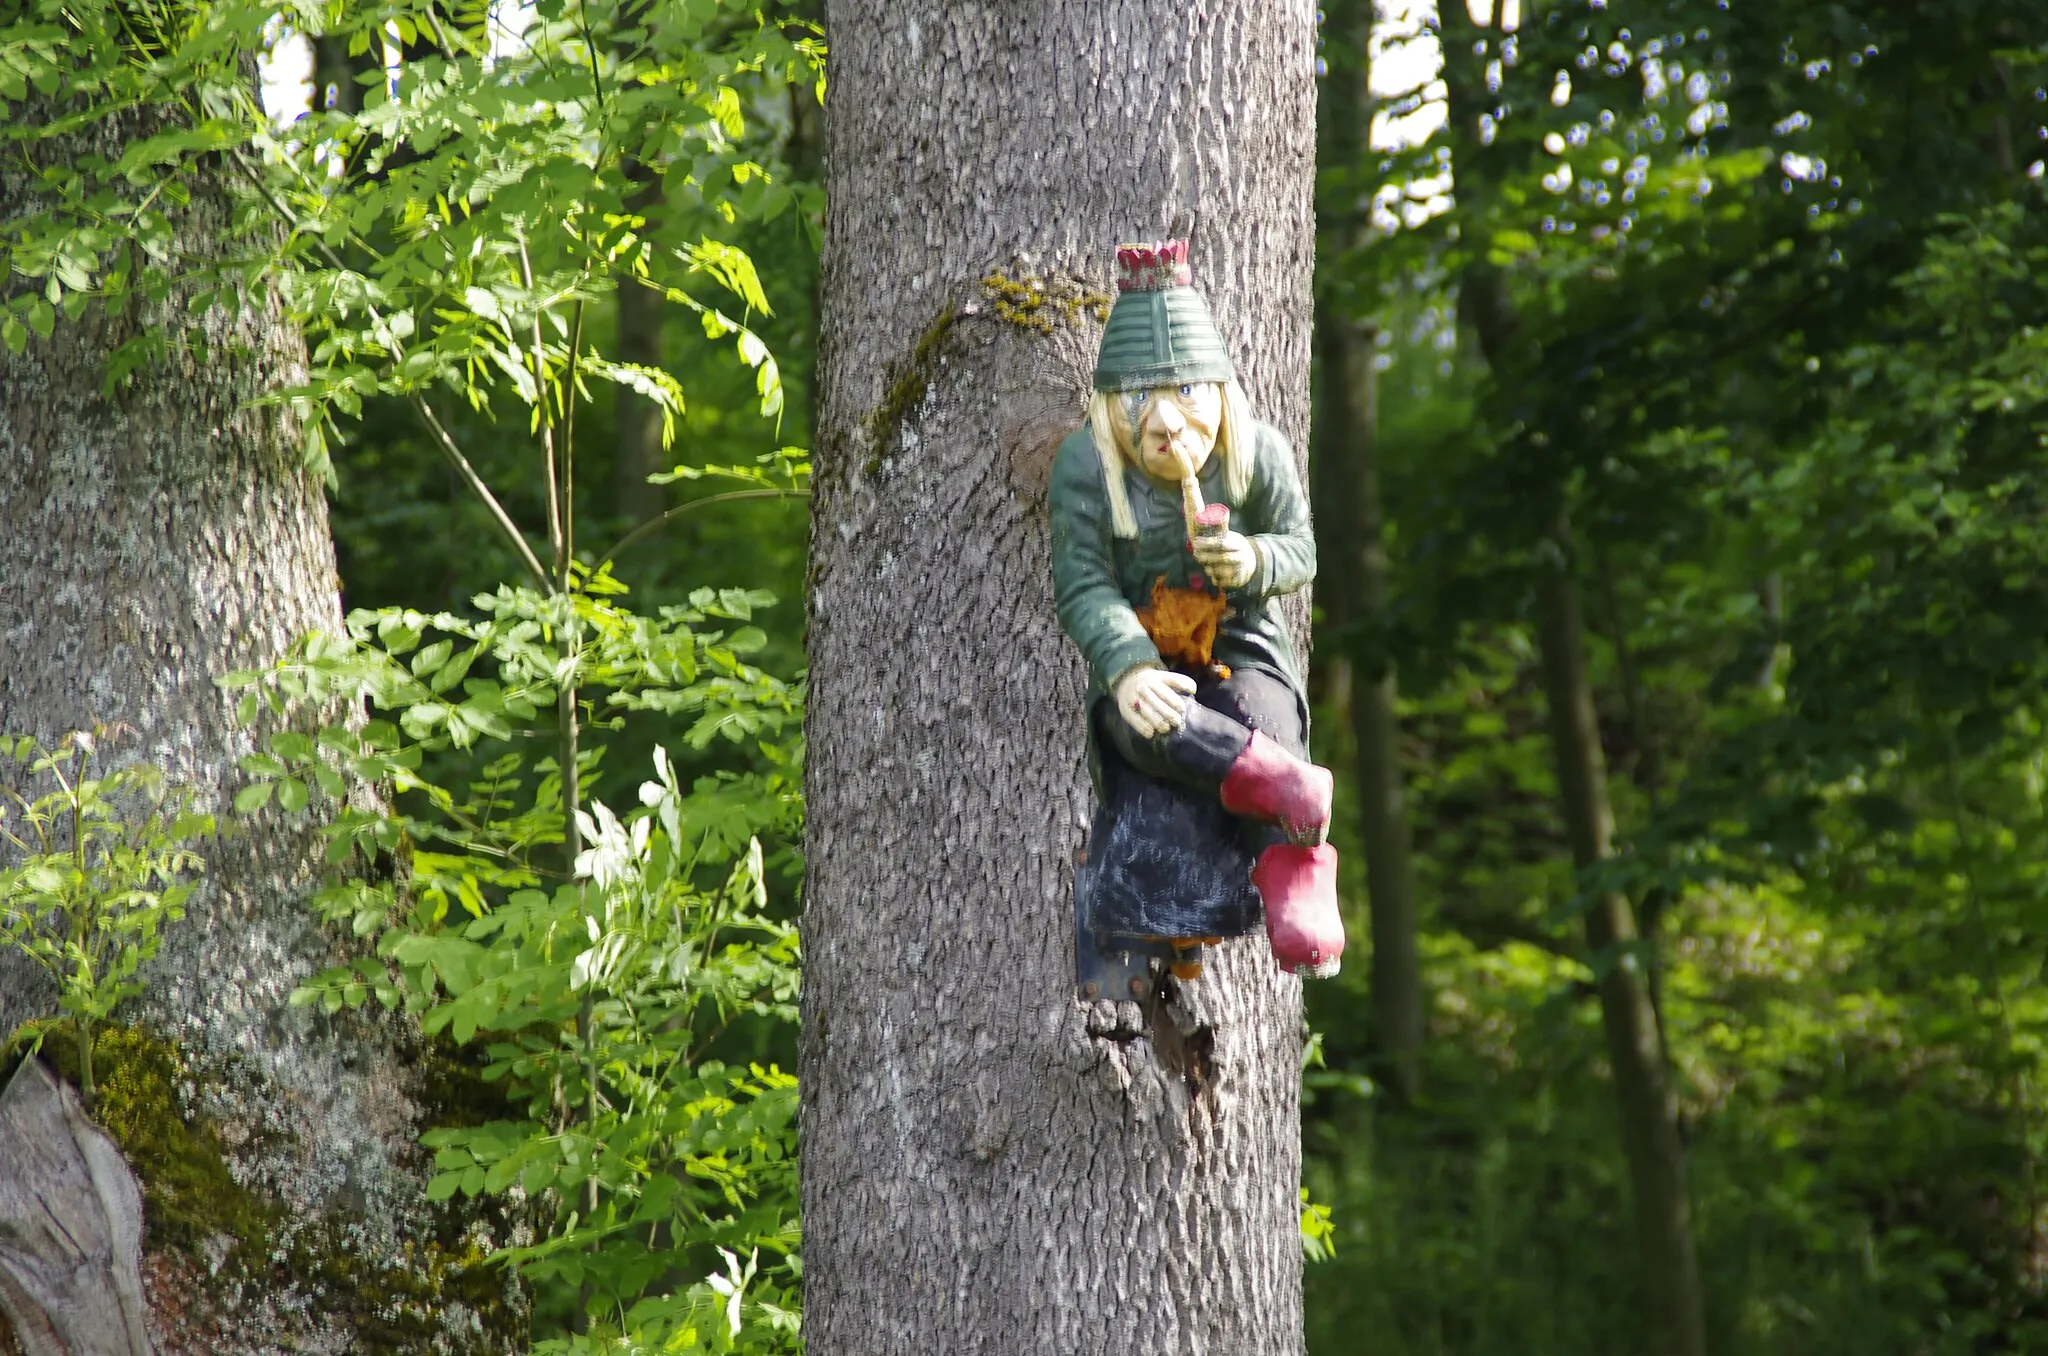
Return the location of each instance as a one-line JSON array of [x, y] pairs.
[[569, 444], [557, 511], [679, 510], [482, 491], [443, 439]]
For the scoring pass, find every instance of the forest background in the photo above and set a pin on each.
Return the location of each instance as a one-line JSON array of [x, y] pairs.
[[1728, 312]]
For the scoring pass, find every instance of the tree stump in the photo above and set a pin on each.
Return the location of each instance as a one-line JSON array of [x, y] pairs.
[[70, 1227]]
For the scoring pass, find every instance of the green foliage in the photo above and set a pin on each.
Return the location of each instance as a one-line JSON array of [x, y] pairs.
[[597, 1000], [484, 194], [454, 217], [437, 236], [1773, 345], [1318, 1230], [101, 860]]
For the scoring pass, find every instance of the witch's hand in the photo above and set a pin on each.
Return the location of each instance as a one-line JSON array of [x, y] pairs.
[[1153, 701], [1229, 557]]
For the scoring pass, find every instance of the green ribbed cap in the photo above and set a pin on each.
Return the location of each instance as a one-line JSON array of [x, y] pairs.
[[1160, 332]]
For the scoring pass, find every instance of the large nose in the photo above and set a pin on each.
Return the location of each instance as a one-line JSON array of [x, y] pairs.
[[1168, 419]]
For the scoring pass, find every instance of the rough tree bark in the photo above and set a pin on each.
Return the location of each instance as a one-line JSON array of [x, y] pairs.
[[990, 1165], [149, 542], [1354, 573], [1647, 1102]]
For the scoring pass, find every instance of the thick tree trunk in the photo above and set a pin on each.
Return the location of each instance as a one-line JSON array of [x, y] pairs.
[[150, 542], [1649, 1109], [990, 1165], [1355, 591]]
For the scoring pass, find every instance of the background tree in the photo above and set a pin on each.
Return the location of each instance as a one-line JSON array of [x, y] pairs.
[[987, 1161], [156, 530], [286, 1193], [1352, 546]]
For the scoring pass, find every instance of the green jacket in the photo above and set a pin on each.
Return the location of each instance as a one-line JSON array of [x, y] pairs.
[[1099, 579]]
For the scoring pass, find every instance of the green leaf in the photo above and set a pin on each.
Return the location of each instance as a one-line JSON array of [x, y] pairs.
[[253, 797], [432, 658]]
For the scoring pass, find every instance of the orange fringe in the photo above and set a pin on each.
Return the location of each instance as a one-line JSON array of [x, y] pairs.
[[1182, 623]]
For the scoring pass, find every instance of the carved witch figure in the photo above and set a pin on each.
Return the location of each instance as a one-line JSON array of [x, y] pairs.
[[1177, 520]]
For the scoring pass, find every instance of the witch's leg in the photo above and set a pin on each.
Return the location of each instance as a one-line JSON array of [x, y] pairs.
[[1198, 755], [1243, 741]]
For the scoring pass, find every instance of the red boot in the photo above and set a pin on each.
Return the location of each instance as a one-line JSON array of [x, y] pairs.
[[1269, 783], [1299, 885]]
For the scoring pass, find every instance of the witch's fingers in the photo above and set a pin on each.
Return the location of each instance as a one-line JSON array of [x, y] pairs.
[[1164, 709]]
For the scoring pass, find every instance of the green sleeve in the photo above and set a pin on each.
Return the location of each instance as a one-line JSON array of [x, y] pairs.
[[1275, 517], [1092, 609]]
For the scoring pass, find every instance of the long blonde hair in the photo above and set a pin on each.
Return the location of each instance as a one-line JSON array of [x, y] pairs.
[[1112, 436]]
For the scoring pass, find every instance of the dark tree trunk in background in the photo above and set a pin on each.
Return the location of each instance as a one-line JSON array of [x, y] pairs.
[[150, 542], [336, 76], [640, 453], [1354, 568], [1644, 1096], [1648, 1105], [991, 1166], [1353, 558]]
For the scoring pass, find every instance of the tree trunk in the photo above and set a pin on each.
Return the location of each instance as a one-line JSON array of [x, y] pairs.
[[149, 542], [1648, 1106], [1355, 569], [335, 76], [989, 1164], [640, 453], [1353, 552]]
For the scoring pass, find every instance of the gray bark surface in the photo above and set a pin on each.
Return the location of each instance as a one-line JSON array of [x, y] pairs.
[[151, 541], [1647, 1103], [70, 1227], [990, 1165]]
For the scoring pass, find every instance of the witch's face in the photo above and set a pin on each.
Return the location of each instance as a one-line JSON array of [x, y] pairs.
[[1172, 428]]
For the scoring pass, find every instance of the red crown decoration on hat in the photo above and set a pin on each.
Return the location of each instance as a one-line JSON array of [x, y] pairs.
[[1153, 267]]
